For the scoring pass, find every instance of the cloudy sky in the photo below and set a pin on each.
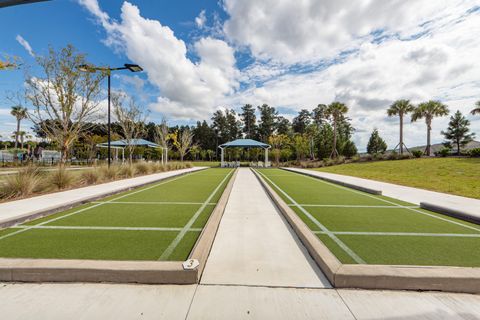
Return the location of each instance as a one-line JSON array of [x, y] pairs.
[[199, 56]]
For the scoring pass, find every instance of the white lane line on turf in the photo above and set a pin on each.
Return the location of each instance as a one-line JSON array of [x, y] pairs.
[[107, 228], [153, 202], [414, 234], [387, 201], [339, 242], [95, 205], [352, 206], [168, 251]]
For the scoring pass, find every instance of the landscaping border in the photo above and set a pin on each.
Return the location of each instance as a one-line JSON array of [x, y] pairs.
[[145, 272], [386, 277]]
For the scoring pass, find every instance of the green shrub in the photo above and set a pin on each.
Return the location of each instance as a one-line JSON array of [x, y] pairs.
[[392, 156], [417, 153], [443, 152], [22, 184], [61, 178], [474, 152]]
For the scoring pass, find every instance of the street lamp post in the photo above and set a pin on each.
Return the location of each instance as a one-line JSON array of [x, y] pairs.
[[108, 70]]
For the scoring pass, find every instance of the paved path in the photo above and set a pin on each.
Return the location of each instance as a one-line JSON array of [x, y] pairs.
[[192, 302], [13, 210], [14, 171], [255, 246], [469, 206]]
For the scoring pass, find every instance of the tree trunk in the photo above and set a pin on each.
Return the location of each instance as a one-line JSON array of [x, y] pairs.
[[334, 147], [458, 147], [16, 133], [401, 133], [429, 128]]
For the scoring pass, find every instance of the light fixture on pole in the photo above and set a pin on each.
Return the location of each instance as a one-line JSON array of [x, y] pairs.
[[108, 71]]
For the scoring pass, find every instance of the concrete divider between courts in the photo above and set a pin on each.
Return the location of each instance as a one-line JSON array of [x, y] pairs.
[[345, 184], [457, 213], [145, 272], [386, 277], [204, 244]]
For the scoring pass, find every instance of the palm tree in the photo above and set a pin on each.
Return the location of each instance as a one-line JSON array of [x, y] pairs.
[[335, 112], [428, 111], [477, 108], [400, 108], [19, 113]]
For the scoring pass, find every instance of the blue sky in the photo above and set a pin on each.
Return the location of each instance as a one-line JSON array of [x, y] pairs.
[[199, 56]]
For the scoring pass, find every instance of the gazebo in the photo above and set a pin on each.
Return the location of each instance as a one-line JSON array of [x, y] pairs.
[[244, 143], [122, 144]]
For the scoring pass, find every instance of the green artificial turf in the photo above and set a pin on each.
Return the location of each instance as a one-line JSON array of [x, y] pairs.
[[374, 249], [411, 250], [123, 244]]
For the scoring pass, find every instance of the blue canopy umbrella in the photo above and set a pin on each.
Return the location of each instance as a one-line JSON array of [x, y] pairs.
[[122, 144]]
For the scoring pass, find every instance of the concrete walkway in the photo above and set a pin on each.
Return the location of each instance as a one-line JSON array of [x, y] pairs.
[[192, 302], [255, 246], [469, 206], [13, 210]]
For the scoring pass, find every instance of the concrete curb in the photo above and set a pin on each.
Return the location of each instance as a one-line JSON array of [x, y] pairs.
[[145, 272], [345, 184], [449, 212], [52, 210], [204, 244], [386, 277]]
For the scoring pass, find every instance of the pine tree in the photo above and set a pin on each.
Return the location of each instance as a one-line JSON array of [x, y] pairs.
[[376, 144], [458, 132]]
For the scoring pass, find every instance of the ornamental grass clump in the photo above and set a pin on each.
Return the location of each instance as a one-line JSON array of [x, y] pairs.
[[22, 184], [109, 173], [89, 177], [127, 171], [142, 168], [61, 178]]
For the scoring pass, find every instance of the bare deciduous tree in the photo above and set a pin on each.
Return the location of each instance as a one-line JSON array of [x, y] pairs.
[[65, 101], [131, 118], [184, 142]]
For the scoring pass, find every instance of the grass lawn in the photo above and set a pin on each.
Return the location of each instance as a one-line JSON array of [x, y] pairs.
[[359, 227], [459, 176], [206, 163], [156, 222]]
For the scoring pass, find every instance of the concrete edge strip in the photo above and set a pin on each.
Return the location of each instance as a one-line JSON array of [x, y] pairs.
[[327, 262], [311, 176], [407, 234], [204, 244], [173, 245], [345, 184], [51, 211], [384, 277], [330, 234], [450, 212], [353, 206], [154, 203]]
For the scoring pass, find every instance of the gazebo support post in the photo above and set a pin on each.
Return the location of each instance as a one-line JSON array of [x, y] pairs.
[[222, 164]]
